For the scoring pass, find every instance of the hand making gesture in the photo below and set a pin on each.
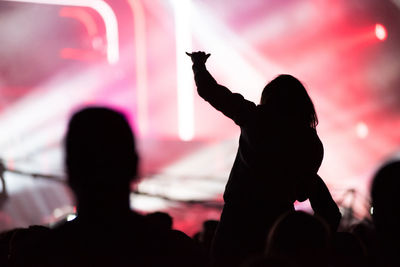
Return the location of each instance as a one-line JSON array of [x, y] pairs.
[[199, 57]]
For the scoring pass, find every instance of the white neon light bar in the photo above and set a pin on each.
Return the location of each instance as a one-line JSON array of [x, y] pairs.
[[182, 10], [106, 13]]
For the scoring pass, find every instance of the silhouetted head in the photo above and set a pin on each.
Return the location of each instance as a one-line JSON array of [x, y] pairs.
[[100, 151], [210, 226], [208, 231], [385, 197], [299, 236], [160, 220], [289, 98]]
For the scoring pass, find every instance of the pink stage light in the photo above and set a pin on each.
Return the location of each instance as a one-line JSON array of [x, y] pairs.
[[82, 16], [87, 20], [139, 28], [78, 54], [380, 32], [106, 13]]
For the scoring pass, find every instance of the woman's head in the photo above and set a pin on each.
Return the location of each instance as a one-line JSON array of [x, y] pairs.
[[288, 96]]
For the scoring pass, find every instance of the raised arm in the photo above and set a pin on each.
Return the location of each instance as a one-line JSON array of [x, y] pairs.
[[232, 105], [323, 204]]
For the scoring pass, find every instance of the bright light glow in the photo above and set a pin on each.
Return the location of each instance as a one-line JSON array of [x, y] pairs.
[[380, 32], [104, 10], [139, 26], [78, 54], [183, 35], [32, 111], [71, 217], [362, 130], [58, 212], [248, 62], [64, 212], [147, 203]]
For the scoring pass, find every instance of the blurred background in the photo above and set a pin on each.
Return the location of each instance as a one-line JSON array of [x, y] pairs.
[[60, 55]]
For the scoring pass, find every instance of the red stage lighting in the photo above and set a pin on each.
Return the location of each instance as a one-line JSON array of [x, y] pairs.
[[380, 32]]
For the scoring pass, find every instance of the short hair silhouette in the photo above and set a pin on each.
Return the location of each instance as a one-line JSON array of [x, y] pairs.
[[161, 220], [101, 161], [386, 213], [296, 231], [385, 195], [289, 96], [300, 237], [100, 150]]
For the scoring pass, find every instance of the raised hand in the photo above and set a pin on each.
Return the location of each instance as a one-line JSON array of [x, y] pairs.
[[199, 57]]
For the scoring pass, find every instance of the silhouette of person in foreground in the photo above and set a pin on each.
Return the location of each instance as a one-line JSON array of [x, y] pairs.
[[386, 213], [101, 162], [300, 238], [276, 164]]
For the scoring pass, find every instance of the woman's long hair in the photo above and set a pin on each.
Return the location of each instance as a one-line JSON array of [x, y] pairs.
[[290, 99]]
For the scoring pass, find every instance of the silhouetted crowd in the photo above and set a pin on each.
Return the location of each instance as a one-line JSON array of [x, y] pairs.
[[278, 158]]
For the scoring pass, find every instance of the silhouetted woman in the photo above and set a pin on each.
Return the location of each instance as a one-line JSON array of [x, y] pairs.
[[276, 164]]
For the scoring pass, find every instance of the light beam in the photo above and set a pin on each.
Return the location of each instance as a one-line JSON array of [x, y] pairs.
[[183, 35]]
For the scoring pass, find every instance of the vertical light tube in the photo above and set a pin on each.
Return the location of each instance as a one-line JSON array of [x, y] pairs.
[[182, 10], [139, 26]]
